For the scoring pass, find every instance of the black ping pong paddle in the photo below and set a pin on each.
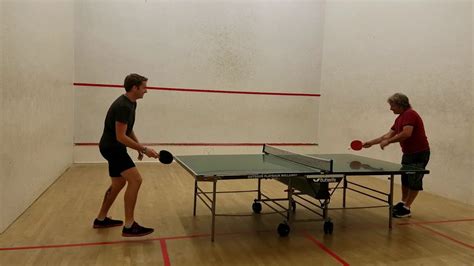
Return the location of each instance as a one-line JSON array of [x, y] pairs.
[[165, 157]]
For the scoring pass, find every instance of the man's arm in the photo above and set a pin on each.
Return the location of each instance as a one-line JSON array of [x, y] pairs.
[[131, 142], [134, 137], [406, 133], [378, 140]]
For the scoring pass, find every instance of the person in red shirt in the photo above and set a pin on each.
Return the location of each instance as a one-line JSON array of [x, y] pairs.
[[409, 131]]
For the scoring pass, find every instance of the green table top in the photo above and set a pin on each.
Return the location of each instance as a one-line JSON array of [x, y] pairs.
[[270, 166]]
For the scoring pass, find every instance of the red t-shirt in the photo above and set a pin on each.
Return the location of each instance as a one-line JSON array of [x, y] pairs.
[[418, 141]]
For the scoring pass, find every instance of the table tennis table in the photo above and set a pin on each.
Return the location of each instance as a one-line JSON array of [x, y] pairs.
[[311, 181]]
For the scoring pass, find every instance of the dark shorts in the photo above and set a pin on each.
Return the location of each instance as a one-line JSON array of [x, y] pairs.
[[420, 160], [118, 160]]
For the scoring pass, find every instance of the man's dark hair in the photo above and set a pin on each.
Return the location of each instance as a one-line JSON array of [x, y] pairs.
[[133, 80]]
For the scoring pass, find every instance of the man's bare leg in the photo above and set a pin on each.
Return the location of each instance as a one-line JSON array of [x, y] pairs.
[[110, 195], [134, 181], [405, 191], [411, 197], [132, 228]]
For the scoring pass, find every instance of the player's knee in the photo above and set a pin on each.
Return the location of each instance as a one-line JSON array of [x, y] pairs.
[[139, 180], [135, 180], [118, 183], [121, 184], [132, 176]]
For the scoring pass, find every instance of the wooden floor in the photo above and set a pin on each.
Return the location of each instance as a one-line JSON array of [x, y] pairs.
[[56, 229]]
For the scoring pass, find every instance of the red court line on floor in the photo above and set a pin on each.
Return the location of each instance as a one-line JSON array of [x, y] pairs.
[[223, 234], [325, 249], [208, 144], [164, 251], [445, 236], [128, 241], [437, 222], [203, 91], [104, 243]]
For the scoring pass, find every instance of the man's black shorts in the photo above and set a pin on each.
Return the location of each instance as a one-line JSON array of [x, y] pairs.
[[420, 160], [118, 159]]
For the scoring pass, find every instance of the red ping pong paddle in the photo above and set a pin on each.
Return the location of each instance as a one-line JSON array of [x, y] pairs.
[[355, 165], [356, 145]]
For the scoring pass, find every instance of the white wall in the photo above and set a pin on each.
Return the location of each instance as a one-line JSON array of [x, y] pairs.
[[373, 49], [2, 118], [271, 46], [37, 100], [472, 104]]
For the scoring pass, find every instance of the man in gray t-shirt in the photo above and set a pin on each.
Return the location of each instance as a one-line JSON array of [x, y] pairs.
[[117, 136]]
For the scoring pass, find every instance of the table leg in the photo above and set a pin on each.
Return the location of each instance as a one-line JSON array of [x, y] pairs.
[[325, 209], [214, 185], [195, 196], [344, 187], [390, 202], [290, 199], [259, 193]]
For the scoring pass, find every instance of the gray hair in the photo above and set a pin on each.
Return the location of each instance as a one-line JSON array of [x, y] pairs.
[[399, 99]]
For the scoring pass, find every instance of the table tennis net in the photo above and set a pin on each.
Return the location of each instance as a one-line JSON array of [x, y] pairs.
[[325, 165]]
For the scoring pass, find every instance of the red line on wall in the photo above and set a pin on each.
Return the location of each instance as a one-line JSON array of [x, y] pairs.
[[208, 144], [79, 84]]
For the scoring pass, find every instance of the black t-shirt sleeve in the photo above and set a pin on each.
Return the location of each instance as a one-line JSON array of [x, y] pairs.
[[122, 114]]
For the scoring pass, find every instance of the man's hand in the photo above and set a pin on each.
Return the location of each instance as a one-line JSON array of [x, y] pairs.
[[366, 144], [151, 153], [384, 143], [140, 156]]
